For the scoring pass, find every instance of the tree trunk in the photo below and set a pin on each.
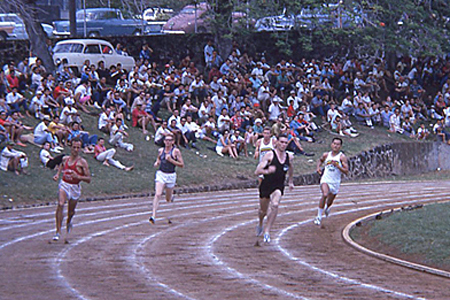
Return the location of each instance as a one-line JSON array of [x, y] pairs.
[[38, 39]]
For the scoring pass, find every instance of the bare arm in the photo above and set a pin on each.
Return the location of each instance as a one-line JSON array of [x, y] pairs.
[[291, 172], [344, 162], [60, 167], [320, 162], [257, 145], [158, 160], [84, 170], [261, 168], [178, 161]]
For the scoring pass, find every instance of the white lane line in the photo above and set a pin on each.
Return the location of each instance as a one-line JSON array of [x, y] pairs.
[[218, 261], [139, 205]]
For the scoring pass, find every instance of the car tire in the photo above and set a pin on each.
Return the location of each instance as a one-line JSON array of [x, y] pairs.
[[3, 36], [93, 34]]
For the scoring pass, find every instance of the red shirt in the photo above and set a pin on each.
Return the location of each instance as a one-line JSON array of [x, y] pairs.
[[98, 149], [136, 114], [67, 178], [12, 81]]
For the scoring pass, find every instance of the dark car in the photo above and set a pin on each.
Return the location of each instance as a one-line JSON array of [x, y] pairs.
[[101, 22]]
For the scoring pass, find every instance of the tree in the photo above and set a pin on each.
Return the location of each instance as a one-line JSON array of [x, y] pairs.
[[29, 13]]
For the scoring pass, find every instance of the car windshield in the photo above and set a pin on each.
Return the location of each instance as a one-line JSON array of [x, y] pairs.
[[188, 11], [68, 48]]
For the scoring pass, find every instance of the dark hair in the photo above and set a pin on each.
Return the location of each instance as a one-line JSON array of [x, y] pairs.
[[337, 139], [282, 135]]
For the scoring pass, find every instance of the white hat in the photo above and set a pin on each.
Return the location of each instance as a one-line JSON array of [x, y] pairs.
[[258, 120], [69, 101]]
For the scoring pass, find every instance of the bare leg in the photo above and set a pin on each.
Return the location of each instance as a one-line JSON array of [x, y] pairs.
[[159, 187], [169, 194], [263, 206], [275, 199], [59, 210], [71, 210]]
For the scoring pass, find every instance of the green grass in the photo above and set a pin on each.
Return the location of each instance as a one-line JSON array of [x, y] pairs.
[[38, 187], [420, 232]]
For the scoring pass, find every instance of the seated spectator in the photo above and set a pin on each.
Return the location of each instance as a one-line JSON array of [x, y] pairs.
[[118, 134], [42, 135], [385, 115], [69, 113], [107, 156], [395, 122], [88, 141], [16, 128], [15, 100], [225, 146], [224, 121], [239, 142], [13, 160], [200, 132], [161, 133], [441, 133], [422, 132], [47, 159], [188, 109], [408, 128], [363, 116], [141, 118], [338, 127]]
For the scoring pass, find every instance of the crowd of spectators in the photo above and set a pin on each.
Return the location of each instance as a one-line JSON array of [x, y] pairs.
[[226, 101]]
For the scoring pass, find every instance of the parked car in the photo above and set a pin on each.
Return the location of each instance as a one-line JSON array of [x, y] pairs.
[[331, 15], [101, 22], [6, 30], [157, 14], [184, 21], [19, 31], [77, 51]]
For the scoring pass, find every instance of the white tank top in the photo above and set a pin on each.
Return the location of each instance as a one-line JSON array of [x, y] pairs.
[[264, 148], [331, 174]]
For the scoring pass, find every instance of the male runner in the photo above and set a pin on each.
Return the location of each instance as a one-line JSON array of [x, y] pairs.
[[335, 164], [273, 166], [75, 169], [168, 158]]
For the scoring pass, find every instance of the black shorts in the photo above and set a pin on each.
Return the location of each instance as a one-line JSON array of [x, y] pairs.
[[265, 190]]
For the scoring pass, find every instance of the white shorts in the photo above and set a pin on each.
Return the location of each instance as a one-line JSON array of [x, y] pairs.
[[333, 187], [219, 150], [169, 179], [73, 191]]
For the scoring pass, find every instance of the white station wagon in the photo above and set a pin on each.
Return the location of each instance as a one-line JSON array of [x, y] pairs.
[[77, 51]]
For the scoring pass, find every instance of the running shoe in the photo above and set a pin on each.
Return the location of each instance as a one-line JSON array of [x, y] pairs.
[[317, 221], [259, 230], [151, 220], [56, 237], [266, 238], [69, 227]]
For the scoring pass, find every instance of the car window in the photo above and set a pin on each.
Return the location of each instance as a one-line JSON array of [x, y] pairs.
[[109, 15], [106, 49], [92, 49], [68, 48]]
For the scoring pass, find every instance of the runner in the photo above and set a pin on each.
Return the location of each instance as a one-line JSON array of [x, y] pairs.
[[335, 164], [75, 169], [168, 158], [273, 166]]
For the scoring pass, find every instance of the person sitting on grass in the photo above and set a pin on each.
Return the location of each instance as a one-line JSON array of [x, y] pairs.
[[118, 134], [225, 146], [141, 118], [422, 132], [47, 159], [88, 141], [107, 156], [13, 160]]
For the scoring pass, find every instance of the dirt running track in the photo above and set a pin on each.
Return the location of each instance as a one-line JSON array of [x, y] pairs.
[[209, 251]]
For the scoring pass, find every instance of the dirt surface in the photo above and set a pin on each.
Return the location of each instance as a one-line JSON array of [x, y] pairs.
[[210, 251]]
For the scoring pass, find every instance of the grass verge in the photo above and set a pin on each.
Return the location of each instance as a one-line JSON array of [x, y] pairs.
[[419, 235]]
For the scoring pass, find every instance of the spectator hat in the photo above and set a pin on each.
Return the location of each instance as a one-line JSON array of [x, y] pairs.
[[276, 99], [69, 101], [46, 118], [258, 120], [39, 93], [292, 91]]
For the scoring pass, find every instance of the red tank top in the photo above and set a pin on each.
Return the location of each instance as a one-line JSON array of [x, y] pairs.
[[73, 167]]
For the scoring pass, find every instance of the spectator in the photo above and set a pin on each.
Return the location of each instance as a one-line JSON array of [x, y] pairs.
[[107, 156], [13, 160], [118, 134]]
